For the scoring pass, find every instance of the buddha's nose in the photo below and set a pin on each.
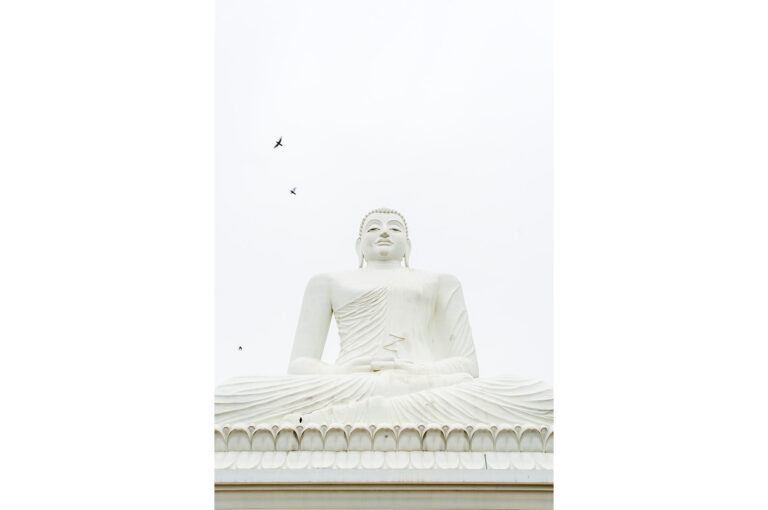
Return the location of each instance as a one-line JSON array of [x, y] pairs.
[[384, 234]]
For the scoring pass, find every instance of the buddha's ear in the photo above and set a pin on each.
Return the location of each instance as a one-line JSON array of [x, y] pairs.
[[407, 252], [359, 252]]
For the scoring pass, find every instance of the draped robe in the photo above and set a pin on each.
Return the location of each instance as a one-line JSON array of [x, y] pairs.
[[415, 316]]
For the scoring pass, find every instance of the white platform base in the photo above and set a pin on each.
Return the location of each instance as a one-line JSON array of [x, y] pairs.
[[384, 489]]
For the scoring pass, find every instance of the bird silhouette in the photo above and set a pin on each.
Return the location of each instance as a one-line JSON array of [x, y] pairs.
[[293, 190], [240, 348], [278, 144]]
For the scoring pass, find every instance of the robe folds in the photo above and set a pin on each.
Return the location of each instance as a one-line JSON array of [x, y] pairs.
[[417, 317]]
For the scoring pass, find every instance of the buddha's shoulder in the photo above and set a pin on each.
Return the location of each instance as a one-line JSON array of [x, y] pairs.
[[332, 277], [319, 281], [447, 280]]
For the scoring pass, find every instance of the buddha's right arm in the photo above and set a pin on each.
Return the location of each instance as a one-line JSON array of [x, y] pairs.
[[312, 330]]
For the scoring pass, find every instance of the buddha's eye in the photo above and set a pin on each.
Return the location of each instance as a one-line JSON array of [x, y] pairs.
[[372, 229], [396, 229]]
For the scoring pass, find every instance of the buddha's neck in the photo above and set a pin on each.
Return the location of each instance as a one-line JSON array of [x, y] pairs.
[[378, 265]]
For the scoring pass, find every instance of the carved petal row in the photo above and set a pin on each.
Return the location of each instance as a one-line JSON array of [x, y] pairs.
[[385, 438], [383, 460]]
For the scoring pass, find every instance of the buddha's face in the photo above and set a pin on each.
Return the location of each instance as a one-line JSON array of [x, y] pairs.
[[383, 237]]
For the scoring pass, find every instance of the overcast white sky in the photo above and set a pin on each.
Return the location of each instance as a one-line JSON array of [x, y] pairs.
[[441, 110]]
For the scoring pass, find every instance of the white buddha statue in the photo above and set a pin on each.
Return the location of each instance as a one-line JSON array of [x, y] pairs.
[[406, 355]]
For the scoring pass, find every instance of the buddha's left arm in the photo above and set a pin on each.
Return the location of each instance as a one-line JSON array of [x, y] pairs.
[[454, 330]]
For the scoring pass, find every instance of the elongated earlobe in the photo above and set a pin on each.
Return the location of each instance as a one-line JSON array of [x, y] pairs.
[[407, 253], [360, 257]]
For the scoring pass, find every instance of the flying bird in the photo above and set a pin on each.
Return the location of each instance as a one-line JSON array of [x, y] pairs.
[[240, 348], [278, 144], [293, 190]]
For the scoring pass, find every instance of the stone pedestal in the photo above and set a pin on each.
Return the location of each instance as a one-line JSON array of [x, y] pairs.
[[383, 466]]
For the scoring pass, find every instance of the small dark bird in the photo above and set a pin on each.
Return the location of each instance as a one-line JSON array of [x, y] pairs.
[[293, 190], [278, 144], [299, 419], [240, 348]]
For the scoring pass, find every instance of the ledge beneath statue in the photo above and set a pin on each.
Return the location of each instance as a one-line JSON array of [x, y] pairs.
[[395, 488]]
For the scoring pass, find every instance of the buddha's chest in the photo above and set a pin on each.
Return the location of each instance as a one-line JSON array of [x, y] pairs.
[[404, 290]]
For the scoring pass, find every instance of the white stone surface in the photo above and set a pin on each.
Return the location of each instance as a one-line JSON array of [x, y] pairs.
[[401, 420]]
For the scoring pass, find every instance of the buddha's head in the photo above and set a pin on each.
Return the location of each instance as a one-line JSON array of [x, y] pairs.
[[383, 237]]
